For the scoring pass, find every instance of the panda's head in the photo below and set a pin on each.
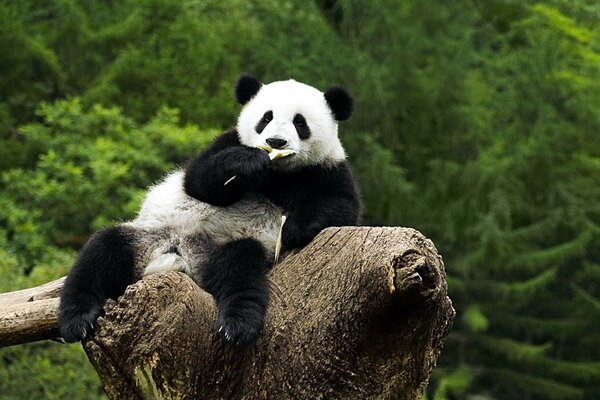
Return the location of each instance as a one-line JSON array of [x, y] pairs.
[[294, 116]]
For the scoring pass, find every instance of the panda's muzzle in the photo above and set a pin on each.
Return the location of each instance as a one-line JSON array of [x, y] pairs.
[[276, 143]]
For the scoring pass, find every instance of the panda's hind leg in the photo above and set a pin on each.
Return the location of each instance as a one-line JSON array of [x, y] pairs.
[[104, 268], [236, 277]]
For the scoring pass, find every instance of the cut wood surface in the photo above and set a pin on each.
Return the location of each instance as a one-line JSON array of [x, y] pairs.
[[360, 313]]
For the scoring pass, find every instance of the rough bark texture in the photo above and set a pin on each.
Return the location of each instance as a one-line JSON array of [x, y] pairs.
[[360, 313], [30, 314]]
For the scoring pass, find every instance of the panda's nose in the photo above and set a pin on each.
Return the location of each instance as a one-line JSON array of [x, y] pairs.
[[276, 143]]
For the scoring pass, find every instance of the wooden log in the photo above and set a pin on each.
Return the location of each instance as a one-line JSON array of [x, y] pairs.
[[360, 313], [29, 315]]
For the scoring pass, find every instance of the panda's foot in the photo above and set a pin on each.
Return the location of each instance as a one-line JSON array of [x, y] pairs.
[[75, 326], [239, 331], [241, 321], [77, 313], [236, 277]]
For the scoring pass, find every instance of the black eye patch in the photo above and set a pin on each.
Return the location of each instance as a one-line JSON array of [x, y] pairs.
[[301, 126], [264, 121]]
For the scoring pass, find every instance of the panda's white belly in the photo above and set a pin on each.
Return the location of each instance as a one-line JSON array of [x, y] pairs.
[[179, 218]]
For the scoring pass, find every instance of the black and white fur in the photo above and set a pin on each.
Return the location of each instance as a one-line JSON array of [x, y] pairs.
[[224, 236]]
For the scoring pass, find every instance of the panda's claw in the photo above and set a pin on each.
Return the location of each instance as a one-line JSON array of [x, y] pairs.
[[240, 331], [76, 330], [75, 325]]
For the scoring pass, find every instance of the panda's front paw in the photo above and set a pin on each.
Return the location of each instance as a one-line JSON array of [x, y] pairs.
[[244, 162], [74, 327]]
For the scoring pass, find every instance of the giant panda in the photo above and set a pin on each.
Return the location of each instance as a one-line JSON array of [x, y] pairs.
[[219, 218]]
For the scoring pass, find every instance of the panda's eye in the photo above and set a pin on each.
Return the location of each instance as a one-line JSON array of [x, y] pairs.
[[301, 126], [299, 120], [268, 116], [264, 121]]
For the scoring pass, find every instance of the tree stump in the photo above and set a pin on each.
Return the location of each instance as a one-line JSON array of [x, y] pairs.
[[360, 313]]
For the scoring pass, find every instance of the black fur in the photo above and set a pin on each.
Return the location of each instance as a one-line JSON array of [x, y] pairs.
[[314, 198], [246, 88], [264, 121], [104, 268], [301, 126], [236, 277], [206, 175], [340, 102]]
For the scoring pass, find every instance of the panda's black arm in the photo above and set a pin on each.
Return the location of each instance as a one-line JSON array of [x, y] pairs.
[[208, 175], [325, 197]]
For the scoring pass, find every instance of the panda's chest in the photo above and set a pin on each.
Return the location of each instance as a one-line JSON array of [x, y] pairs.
[[289, 190]]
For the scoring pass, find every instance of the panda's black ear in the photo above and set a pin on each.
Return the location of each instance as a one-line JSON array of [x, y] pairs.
[[340, 102], [246, 88]]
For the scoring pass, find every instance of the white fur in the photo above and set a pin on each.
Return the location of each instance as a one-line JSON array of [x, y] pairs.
[[166, 262], [286, 99], [170, 217]]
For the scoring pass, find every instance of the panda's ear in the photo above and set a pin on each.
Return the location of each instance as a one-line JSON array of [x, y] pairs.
[[340, 102], [246, 88]]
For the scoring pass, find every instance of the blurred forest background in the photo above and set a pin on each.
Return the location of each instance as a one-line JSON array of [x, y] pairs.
[[477, 122]]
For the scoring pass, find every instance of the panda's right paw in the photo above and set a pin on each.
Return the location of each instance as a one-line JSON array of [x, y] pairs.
[[74, 327], [244, 162]]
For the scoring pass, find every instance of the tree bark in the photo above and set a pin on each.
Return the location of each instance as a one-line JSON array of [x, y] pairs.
[[360, 313], [30, 314]]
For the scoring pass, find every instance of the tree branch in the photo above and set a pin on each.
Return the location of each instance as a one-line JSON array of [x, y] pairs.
[[29, 315]]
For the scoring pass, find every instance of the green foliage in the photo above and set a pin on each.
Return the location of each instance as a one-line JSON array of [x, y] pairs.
[[385, 189], [96, 161], [453, 384], [475, 319], [477, 122], [143, 55], [49, 371]]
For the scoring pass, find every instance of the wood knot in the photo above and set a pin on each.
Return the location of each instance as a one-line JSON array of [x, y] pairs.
[[429, 278], [414, 274]]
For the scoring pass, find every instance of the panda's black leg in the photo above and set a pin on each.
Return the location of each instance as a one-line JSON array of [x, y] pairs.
[[236, 277], [104, 268]]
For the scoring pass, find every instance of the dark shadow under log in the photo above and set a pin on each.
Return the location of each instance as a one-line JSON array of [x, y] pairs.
[[360, 313]]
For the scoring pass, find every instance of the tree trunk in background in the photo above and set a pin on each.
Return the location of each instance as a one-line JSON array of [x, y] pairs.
[[360, 313]]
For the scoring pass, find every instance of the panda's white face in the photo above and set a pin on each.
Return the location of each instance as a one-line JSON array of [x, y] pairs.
[[293, 116]]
